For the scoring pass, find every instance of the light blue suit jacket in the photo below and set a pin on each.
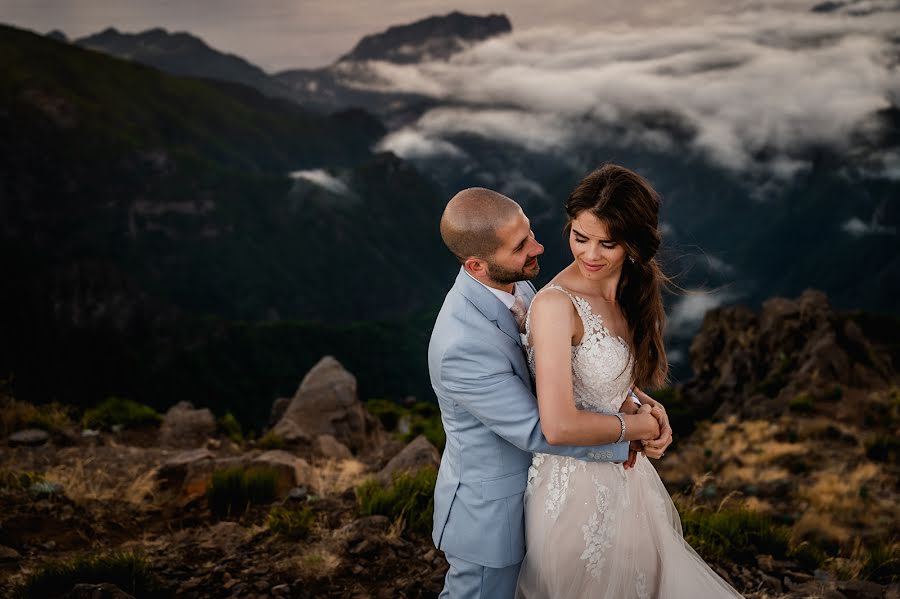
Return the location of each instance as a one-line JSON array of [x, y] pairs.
[[483, 385]]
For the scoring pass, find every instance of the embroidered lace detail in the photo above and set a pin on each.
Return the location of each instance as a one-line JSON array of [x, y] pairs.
[[534, 474], [601, 363], [640, 586], [558, 485], [598, 531]]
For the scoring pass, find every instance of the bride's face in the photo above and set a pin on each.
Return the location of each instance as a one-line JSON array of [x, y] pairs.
[[596, 255]]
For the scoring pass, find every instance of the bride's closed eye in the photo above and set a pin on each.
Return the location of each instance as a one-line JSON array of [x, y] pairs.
[[606, 244]]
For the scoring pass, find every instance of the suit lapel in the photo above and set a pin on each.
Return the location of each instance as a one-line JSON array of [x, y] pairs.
[[488, 304]]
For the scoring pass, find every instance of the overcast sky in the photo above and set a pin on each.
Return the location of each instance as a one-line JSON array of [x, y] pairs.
[[282, 34]]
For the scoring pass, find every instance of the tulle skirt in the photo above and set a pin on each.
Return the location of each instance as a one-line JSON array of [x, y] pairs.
[[595, 530]]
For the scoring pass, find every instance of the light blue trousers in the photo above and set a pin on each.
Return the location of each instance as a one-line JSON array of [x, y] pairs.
[[466, 580]]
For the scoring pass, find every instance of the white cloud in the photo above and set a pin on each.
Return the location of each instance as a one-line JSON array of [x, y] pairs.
[[676, 356], [411, 143], [322, 179], [858, 228], [717, 265], [688, 312], [752, 91]]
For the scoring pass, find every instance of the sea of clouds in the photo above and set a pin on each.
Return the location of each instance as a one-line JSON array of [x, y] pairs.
[[754, 92]]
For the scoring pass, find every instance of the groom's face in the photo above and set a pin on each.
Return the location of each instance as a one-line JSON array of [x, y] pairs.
[[516, 258]]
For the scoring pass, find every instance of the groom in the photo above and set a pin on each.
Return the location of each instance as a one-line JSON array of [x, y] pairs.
[[480, 376]]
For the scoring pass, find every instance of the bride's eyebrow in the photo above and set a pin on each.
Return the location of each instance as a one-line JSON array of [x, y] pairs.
[[587, 236]]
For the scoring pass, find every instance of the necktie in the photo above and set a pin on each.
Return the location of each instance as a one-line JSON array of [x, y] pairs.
[[519, 311]]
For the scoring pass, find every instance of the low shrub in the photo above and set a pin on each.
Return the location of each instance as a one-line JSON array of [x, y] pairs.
[[234, 489], [271, 440], [387, 411], [808, 555], [230, 426], [423, 419], [409, 497], [114, 411], [127, 570], [803, 402], [19, 479], [292, 523], [882, 564], [17, 415], [737, 535]]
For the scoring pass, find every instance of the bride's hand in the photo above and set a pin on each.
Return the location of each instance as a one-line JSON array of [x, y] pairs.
[[654, 422], [656, 450]]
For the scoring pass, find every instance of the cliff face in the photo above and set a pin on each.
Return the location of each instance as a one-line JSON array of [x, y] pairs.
[[794, 413], [754, 365]]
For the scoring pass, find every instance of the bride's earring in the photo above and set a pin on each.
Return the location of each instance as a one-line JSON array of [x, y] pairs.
[[631, 258]]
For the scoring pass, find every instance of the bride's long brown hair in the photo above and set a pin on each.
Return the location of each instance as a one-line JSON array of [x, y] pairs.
[[629, 206]]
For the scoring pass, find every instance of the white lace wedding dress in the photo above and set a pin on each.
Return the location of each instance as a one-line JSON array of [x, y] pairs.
[[593, 529]]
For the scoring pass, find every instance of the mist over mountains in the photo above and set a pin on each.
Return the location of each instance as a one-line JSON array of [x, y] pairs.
[[244, 213], [772, 135]]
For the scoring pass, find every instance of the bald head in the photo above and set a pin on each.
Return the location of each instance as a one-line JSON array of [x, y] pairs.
[[471, 219]]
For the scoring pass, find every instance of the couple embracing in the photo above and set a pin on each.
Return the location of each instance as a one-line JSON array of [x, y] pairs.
[[545, 490]]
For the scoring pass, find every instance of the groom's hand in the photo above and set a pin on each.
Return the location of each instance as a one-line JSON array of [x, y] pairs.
[[633, 448], [657, 448]]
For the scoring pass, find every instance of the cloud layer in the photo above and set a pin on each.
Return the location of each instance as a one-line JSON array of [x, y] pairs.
[[754, 91]]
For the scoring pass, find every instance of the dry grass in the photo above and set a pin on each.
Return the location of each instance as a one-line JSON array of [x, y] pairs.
[[333, 477], [93, 477], [315, 561]]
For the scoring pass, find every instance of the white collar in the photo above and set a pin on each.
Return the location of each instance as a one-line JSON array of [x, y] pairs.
[[508, 299]]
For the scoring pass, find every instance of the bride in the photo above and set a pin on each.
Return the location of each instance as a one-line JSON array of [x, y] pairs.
[[599, 529]]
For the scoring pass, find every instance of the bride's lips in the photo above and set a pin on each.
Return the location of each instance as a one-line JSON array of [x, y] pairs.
[[591, 267]]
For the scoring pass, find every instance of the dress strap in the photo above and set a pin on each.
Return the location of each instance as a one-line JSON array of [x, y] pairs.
[[581, 306]]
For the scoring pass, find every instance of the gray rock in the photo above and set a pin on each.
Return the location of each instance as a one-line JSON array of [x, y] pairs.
[[8, 554], [329, 447], [184, 476], [860, 589], [420, 453], [185, 427], [326, 403], [292, 471], [30, 437]]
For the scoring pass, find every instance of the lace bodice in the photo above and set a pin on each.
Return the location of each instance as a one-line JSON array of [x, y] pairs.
[[601, 363]]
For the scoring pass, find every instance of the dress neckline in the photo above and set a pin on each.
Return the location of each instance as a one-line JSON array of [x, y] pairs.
[[584, 304]]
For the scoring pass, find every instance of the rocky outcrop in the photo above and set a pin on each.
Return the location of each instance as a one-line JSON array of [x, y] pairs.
[[753, 364], [186, 476], [186, 427], [326, 403]]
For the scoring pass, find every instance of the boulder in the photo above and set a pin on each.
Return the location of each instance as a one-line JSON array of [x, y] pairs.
[[185, 476], [420, 453], [292, 471], [186, 427], [326, 403], [30, 437], [279, 406], [329, 447]]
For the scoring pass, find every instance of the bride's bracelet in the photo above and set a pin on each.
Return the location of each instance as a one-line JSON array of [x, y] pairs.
[[621, 418]]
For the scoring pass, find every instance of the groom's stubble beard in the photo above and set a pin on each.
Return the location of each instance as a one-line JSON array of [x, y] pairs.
[[505, 276]]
